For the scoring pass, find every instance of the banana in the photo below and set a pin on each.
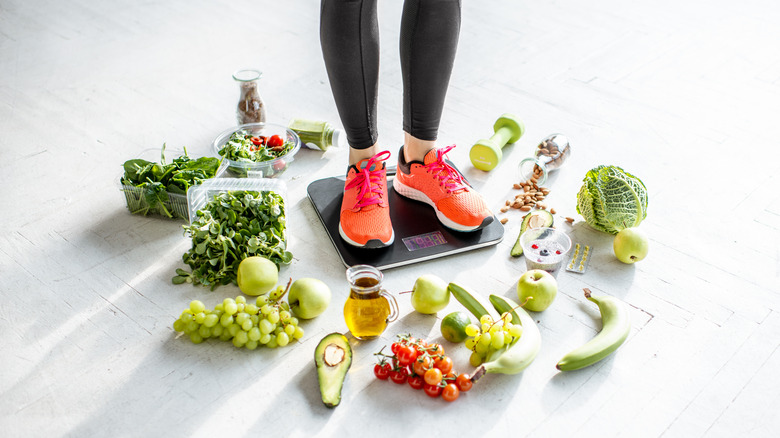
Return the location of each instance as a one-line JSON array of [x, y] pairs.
[[616, 324], [517, 356], [469, 302], [512, 358]]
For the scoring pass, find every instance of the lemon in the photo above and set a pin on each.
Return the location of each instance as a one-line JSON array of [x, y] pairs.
[[453, 326]]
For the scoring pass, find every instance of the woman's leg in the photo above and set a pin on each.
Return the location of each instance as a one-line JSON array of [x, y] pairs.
[[429, 40], [428, 43], [349, 35]]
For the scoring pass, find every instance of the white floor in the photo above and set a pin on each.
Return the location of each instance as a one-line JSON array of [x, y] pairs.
[[684, 95]]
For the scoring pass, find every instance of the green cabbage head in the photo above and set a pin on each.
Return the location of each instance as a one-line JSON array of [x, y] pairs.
[[612, 199]]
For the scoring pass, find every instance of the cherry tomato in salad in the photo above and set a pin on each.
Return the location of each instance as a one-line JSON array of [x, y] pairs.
[[279, 165], [257, 141], [464, 382], [406, 355], [450, 392], [416, 382], [275, 140], [399, 375], [422, 364], [444, 363], [382, 370], [433, 376], [432, 390]]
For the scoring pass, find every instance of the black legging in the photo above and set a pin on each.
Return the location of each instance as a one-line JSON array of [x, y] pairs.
[[349, 34]]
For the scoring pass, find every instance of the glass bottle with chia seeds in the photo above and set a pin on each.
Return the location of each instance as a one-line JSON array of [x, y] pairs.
[[251, 108], [317, 135]]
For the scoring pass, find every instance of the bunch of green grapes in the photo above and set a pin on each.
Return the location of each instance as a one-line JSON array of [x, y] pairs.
[[267, 322], [490, 336]]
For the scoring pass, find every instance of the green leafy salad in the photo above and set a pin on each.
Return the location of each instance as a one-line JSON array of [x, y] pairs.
[[148, 185], [242, 146], [230, 227], [612, 199]]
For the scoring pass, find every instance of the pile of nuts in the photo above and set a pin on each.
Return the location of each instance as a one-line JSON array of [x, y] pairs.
[[531, 198]]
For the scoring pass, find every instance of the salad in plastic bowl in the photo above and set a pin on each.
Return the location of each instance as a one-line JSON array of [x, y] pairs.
[[257, 149]]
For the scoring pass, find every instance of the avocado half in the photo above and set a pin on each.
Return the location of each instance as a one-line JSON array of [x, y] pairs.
[[534, 219], [332, 357]]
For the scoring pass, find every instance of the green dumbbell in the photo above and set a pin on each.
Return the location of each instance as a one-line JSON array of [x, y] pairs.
[[486, 153]]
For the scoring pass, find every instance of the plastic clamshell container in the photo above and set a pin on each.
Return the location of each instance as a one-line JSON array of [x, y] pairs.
[[176, 203], [259, 169], [199, 196]]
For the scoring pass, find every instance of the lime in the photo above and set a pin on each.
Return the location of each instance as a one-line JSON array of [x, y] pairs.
[[453, 326]]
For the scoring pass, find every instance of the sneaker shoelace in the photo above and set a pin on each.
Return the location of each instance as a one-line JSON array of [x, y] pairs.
[[448, 177], [369, 180]]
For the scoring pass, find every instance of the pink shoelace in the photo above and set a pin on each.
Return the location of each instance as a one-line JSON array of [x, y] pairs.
[[448, 177], [369, 179]]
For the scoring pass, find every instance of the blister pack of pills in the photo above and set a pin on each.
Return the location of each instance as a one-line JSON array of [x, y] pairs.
[[580, 256]]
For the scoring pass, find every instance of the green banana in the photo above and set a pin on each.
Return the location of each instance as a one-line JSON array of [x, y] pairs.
[[521, 352], [517, 356], [616, 324], [469, 302]]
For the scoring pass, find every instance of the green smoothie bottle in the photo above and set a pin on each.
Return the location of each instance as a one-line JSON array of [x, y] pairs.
[[317, 135]]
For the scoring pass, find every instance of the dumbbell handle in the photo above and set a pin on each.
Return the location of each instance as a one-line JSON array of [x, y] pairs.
[[501, 136]]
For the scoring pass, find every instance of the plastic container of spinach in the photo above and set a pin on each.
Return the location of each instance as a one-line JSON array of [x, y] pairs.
[[231, 219], [159, 187]]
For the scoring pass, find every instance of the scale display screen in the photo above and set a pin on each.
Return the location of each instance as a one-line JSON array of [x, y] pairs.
[[426, 240]]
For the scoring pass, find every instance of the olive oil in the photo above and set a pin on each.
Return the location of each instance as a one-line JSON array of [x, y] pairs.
[[369, 308]]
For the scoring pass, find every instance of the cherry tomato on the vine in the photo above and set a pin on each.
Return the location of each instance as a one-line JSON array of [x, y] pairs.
[[464, 382], [444, 363], [382, 370], [435, 350], [432, 390], [433, 376], [406, 355], [399, 375], [421, 365], [395, 346], [416, 382], [450, 392]]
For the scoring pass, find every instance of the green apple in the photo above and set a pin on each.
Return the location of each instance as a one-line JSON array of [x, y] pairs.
[[430, 294], [308, 297], [630, 245], [538, 287], [256, 275]]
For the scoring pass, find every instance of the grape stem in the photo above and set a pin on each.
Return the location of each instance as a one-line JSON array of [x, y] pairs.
[[287, 289], [513, 309]]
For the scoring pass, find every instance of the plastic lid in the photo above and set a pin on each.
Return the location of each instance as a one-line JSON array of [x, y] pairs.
[[339, 138]]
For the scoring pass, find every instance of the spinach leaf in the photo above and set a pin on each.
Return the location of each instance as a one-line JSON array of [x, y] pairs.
[[148, 185]]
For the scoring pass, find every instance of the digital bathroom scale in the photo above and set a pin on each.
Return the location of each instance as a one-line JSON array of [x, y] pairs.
[[419, 235]]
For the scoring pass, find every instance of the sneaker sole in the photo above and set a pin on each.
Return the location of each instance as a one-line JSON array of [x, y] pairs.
[[371, 244], [417, 195]]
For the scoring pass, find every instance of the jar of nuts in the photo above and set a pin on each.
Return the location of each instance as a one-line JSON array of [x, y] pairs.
[[549, 155]]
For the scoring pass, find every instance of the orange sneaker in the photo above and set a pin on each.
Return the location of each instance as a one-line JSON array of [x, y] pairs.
[[439, 184], [365, 214]]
